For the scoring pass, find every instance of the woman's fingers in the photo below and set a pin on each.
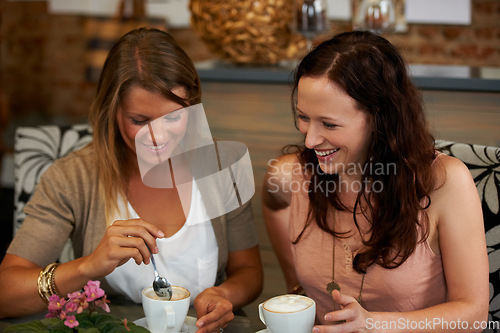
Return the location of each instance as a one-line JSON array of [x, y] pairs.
[[126, 239], [153, 230], [138, 228], [342, 299], [350, 318], [132, 247]]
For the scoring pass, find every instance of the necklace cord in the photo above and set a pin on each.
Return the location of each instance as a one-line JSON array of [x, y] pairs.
[[333, 285]]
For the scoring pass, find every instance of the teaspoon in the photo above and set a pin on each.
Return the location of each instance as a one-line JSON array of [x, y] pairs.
[[161, 286]]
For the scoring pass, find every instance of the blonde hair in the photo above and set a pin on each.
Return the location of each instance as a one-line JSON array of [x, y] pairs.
[[146, 58]]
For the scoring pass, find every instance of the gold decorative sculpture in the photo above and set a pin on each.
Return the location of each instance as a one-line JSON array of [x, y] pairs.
[[248, 31]]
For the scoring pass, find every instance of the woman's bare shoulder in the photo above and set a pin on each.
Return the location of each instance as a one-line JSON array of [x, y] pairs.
[[279, 177], [449, 171], [284, 165], [454, 184]]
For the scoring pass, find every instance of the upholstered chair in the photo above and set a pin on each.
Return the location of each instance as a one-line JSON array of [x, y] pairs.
[[35, 149], [484, 164]]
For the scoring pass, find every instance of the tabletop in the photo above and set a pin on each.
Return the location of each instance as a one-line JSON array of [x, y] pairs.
[[132, 312]]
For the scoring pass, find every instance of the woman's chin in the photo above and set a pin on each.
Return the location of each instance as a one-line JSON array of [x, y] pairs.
[[328, 168]]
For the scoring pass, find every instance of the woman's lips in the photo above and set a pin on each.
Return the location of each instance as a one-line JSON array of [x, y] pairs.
[[324, 155], [156, 148]]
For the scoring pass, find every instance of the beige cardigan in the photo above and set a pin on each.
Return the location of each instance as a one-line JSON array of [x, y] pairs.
[[66, 204]]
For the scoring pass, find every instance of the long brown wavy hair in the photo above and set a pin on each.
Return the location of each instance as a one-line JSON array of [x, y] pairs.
[[147, 58], [372, 71]]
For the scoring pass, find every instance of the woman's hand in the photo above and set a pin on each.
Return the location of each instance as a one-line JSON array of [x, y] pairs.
[[124, 239], [214, 310], [352, 316]]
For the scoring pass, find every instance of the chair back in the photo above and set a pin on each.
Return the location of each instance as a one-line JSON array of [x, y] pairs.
[[35, 149], [484, 164]]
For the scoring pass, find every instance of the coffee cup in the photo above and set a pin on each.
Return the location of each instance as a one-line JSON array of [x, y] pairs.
[[162, 315], [288, 314]]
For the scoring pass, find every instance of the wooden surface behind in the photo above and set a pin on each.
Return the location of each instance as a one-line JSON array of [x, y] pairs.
[[259, 115]]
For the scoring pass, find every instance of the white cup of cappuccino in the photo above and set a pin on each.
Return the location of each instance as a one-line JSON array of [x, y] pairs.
[[162, 315], [288, 314]]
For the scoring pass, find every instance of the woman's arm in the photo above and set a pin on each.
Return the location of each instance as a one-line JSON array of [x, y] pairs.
[[276, 197], [245, 277], [215, 305], [123, 240], [457, 210]]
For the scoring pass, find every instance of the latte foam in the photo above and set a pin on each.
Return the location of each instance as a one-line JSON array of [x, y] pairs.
[[178, 293], [287, 303]]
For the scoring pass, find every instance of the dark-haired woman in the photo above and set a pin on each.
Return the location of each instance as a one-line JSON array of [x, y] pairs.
[[382, 231]]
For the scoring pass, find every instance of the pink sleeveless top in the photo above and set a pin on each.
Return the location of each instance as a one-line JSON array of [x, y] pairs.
[[418, 283]]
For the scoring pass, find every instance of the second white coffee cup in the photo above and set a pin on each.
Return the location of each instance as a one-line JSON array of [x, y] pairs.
[[288, 314], [162, 315]]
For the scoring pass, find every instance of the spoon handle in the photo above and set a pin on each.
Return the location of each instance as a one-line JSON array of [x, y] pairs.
[[154, 264]]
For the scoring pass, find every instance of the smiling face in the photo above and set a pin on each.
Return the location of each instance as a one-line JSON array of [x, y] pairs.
[[159, 123], [333, 126]]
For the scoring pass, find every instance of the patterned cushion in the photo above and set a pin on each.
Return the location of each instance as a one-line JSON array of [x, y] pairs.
[[35, 149], [484, 165]]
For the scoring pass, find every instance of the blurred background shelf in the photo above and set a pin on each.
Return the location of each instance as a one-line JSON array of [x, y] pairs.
[[440, 77]]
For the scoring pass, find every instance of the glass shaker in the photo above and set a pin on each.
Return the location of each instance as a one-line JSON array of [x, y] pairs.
[[375, 15], [310, 18]]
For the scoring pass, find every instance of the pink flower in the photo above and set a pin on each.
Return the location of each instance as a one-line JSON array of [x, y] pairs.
[[125, 323], [51, 314], [79, 300], [54, 298], [75, 295], [71, 306], [56, 303], [64, 309], [71, 321], [83, 304], [93, 290], [103, 303]]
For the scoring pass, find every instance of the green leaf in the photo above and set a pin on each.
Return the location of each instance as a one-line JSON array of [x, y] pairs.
[[34, 326], [85, 324], [101, 319], [94, 323], [61, 329], [113, 328], [87, 330], [136, 328]]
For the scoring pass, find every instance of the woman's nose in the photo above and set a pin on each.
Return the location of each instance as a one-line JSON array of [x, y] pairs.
[[314, 137], [157, 130]]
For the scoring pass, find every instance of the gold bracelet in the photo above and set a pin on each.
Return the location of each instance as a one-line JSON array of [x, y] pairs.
[[52, 284], [46, 283]]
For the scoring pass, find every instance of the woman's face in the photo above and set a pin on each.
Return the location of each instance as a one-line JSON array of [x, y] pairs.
[[158, 123], [333, 126]]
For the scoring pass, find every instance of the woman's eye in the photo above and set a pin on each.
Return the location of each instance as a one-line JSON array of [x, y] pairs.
[[303, 118], [329, 126], [139, 122], [174, 116]]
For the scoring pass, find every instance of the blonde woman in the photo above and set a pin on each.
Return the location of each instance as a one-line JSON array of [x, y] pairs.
[[97, 198]]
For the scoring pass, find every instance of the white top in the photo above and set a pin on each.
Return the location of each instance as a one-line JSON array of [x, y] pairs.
[[187, 259]]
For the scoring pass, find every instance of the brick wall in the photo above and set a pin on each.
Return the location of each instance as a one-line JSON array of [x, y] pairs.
[[475, 45], [44, 58]]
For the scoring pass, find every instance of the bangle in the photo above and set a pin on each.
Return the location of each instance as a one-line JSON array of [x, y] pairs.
[[46, 282]]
